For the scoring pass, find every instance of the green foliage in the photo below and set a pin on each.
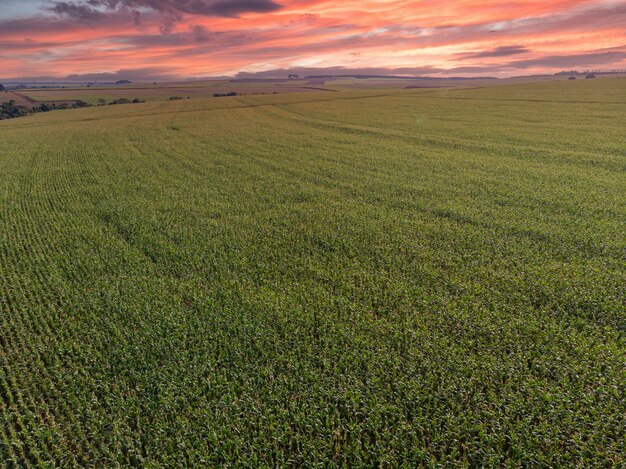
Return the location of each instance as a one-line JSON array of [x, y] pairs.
[[10, 110], [122, 101], [412, 278]]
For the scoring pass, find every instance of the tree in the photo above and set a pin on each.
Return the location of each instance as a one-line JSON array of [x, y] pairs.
[[2, 88], [11, 110]]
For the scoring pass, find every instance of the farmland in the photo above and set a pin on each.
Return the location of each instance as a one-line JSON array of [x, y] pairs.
[[20, 100], [164, 91], [151, 92], [389, 277]]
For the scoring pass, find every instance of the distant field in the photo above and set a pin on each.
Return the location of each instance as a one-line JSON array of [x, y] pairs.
[[377, 278], [162, 92], [6, 96], [206, 89]]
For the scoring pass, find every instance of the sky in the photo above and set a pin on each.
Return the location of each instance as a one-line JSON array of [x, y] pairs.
[[177, 39]]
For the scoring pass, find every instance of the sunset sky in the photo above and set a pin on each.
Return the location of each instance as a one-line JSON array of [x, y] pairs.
[[169, 39]]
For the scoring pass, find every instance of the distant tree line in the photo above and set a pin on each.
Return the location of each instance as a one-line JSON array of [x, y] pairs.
[[11, 110], [222, 95], [102, 101]]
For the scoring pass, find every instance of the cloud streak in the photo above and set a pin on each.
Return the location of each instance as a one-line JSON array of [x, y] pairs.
[[176, 8], [503, 51]]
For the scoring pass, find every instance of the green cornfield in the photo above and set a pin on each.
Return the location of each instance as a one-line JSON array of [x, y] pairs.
[[374, 278]]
